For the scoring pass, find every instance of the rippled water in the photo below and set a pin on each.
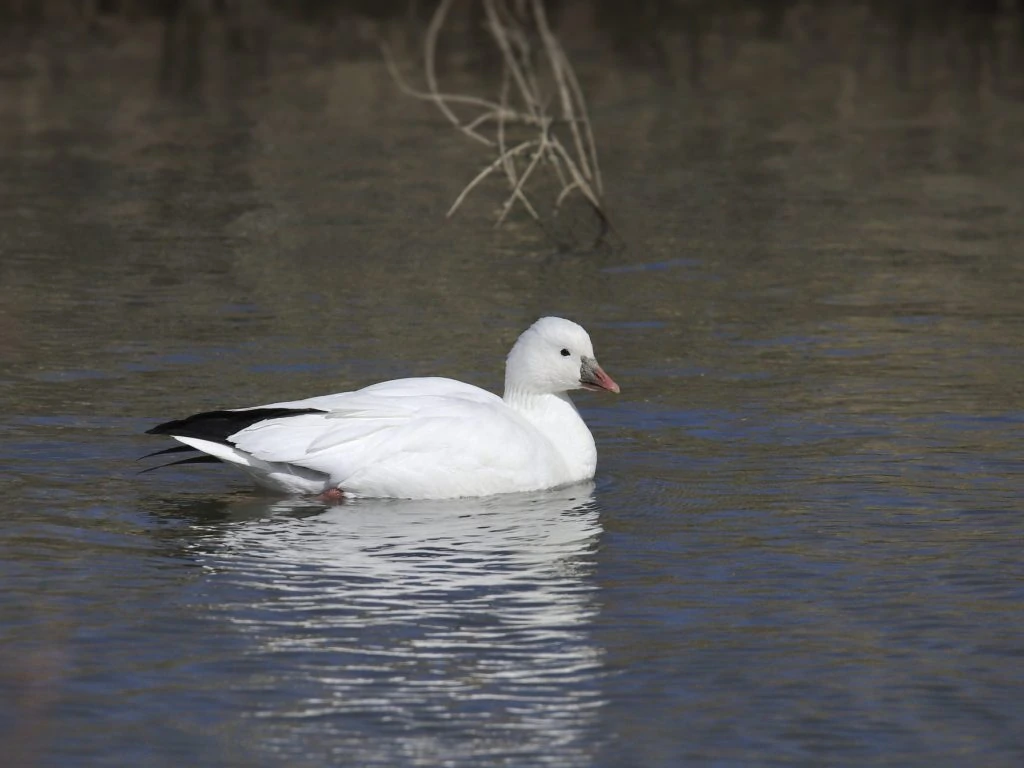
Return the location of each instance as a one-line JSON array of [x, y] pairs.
[[803, 545]]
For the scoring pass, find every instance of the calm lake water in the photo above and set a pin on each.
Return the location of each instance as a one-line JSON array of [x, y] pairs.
[[804, 542]]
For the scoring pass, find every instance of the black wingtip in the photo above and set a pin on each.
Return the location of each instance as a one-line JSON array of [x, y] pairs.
[[175, 449], [204, 459], [218, 426]]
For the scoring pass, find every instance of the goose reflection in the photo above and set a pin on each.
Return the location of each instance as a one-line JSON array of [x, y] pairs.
[[450, 628]]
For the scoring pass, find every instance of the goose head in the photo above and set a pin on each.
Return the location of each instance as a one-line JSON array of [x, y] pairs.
[[553, 356]]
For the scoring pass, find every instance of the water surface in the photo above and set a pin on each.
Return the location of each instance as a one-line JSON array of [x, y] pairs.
[[803, 542]]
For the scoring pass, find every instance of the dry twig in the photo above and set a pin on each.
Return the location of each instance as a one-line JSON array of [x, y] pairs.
[[528, 48]]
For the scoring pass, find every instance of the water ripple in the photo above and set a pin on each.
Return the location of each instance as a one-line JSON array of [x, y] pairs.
[[454, 627]]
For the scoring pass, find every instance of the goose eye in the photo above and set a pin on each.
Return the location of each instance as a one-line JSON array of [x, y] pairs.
[[565, 353]]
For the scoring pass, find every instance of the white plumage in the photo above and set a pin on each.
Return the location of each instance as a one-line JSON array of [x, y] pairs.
[[422, 438]]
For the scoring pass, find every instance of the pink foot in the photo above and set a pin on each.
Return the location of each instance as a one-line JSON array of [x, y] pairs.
[[332, 496]]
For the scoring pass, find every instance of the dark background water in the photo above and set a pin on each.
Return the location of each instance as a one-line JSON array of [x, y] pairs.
[[803, 545]]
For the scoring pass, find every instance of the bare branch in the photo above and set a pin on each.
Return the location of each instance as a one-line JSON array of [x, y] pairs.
[[430, 53], [517, 190], [558, 62], [528, 48], [489, 170], [565, 193], [577, 93], [441, 99]]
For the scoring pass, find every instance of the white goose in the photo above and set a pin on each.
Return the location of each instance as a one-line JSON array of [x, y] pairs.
[[422, 438]]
